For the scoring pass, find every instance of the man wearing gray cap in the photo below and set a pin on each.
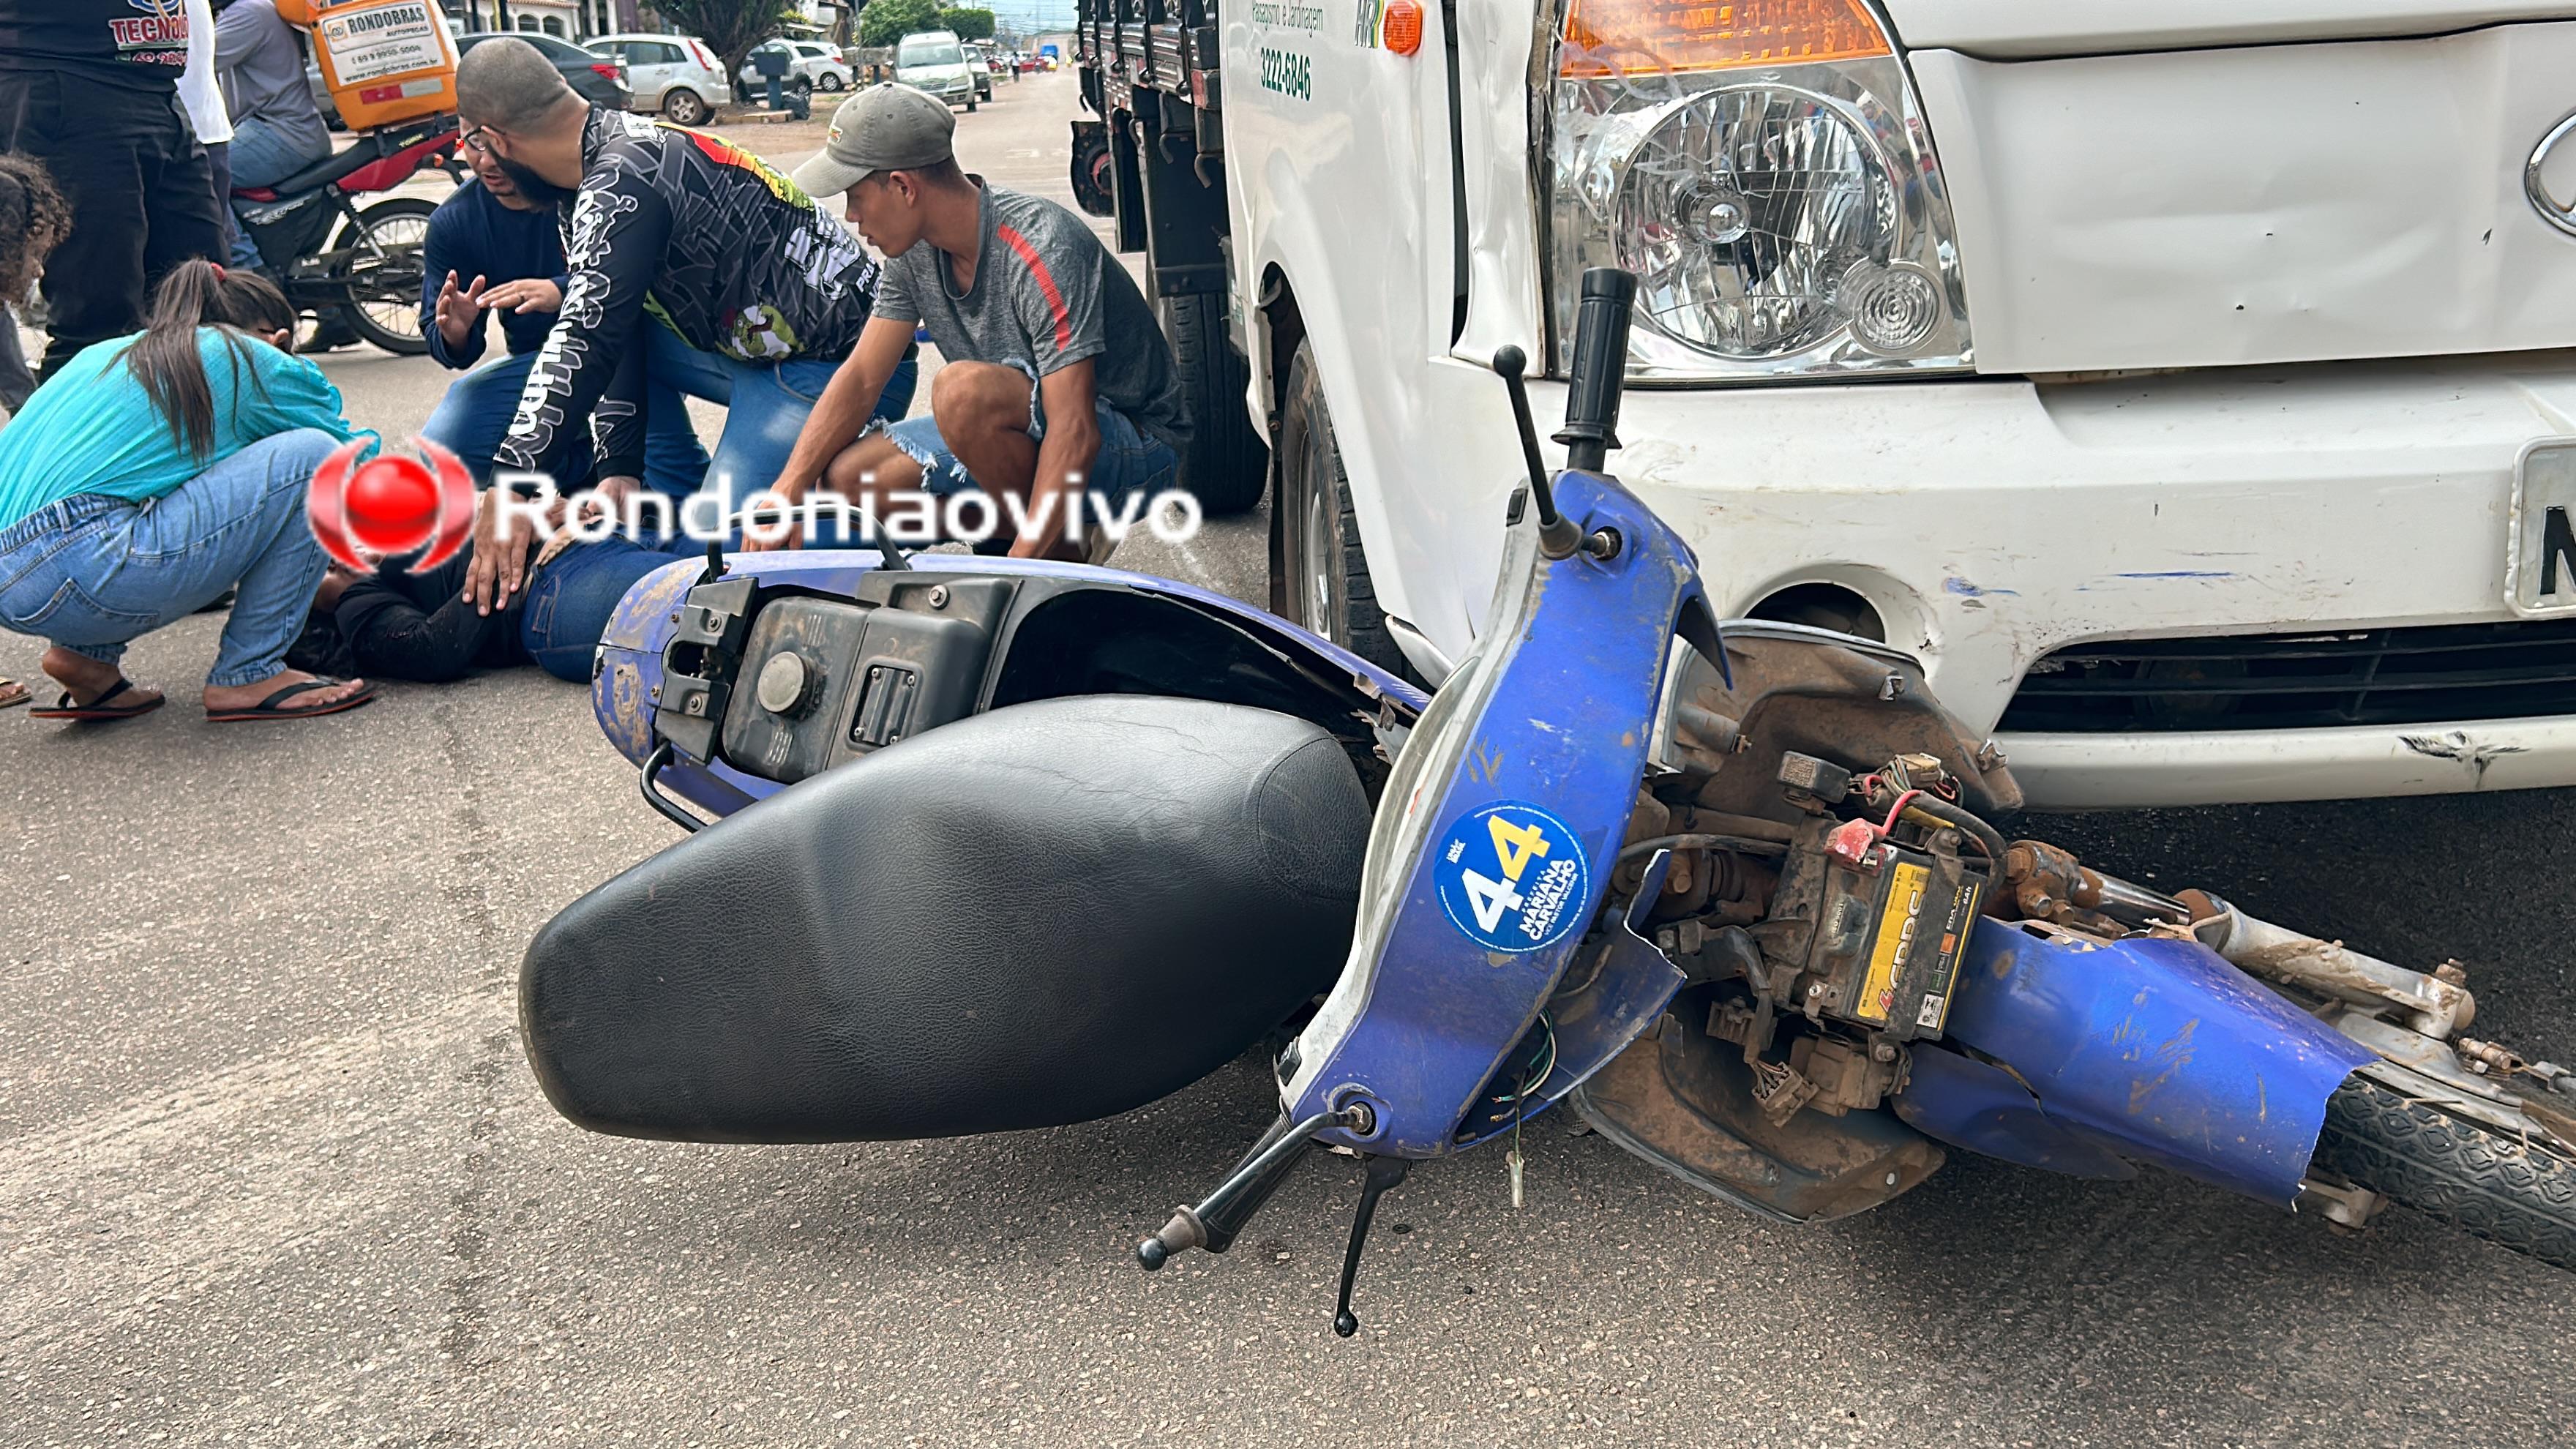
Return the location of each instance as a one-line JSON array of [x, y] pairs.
[[1057, 387]]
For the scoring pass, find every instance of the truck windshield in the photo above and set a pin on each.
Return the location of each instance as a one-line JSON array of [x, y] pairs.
[[930, 52]]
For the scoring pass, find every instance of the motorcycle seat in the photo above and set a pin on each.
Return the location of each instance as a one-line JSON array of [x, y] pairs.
[[1049, 913], [365, 151]]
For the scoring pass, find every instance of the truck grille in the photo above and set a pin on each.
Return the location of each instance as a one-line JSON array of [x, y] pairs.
[[2289, 681]]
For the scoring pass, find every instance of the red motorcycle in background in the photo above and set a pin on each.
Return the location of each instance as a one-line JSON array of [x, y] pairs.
[[369, 273]]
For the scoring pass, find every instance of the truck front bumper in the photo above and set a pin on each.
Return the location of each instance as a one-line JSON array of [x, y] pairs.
[[1990, 522]]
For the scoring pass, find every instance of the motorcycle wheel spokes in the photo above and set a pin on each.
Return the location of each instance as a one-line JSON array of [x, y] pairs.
[[381, 273]]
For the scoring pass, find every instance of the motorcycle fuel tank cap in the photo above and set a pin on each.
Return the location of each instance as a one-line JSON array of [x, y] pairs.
[[785, 683]]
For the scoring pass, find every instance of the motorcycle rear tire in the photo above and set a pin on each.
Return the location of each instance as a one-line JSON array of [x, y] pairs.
[[2479, 1181], [369, 219]]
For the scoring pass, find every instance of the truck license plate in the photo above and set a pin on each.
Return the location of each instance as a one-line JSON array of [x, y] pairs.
[[2540, 545]]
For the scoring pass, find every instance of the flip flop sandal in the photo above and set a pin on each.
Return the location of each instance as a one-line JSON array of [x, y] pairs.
[[268, 708], [13, 694], [98, 711]]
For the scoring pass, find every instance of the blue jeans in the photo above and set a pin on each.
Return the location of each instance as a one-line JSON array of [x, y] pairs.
[[262, 155], [1130, 463], [766, 404], [92, 573], [475, 416], [573, 594]]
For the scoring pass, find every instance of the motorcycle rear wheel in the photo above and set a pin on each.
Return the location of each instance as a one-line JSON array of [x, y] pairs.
[[2514, 1194], [384, 302]]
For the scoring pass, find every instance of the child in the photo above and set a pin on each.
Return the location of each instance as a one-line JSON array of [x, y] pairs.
[[33, 217]]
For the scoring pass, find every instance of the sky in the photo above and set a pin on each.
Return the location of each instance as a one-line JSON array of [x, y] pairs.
[[1032, 15]]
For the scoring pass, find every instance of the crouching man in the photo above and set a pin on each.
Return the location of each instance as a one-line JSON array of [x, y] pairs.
[[1057, 383]]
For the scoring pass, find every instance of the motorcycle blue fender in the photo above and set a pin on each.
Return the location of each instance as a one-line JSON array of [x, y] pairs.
[[2149, 1049], [1512, 820], [628, 677]]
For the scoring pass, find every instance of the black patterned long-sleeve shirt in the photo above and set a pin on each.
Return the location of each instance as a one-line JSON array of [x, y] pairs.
[[676, 229]]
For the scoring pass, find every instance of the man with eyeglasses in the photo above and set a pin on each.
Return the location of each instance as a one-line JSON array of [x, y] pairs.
[[686, 259], [490, 249]]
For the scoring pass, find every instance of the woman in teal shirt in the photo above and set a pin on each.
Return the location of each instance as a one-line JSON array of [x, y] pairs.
[[153, 473]]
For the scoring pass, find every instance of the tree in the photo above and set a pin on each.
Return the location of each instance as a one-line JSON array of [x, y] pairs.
[[886, 21], [969, 24], [729, 27]]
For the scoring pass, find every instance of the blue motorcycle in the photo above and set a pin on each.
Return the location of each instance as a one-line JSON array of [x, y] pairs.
[[1004, 845]]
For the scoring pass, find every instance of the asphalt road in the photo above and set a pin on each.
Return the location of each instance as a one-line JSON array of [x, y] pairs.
[[272, 1170]]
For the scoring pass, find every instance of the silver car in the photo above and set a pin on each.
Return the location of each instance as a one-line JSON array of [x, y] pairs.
[[676, 75], [934, 61]]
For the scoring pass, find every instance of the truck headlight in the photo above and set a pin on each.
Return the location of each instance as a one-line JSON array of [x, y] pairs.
[[1764, 169]]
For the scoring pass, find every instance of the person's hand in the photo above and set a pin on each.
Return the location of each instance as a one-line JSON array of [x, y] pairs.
[[460, 309], [769, 520], [607, 501], [499, 567], [1036, 543], [528, 294]]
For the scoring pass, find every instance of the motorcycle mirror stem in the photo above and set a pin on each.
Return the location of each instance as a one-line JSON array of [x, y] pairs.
[[1557, 535]]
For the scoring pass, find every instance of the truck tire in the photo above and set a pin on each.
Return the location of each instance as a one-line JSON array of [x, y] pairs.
[[1091, 169], [2482, 1182], [1319, 574], [1228, 461]]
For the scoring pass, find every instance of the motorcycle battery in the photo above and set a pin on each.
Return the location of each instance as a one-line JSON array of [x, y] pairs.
[[385, 61], [1888, 938]]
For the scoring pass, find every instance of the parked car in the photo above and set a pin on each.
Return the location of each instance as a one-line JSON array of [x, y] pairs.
[[818, 65], [598, 79], [675, 75], [935, 61], [979, 65]]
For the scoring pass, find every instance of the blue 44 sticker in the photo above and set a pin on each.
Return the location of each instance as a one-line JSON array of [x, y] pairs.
[[1512, 877]]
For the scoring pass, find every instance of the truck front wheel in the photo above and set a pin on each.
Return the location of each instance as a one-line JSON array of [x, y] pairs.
[[1319, 576]]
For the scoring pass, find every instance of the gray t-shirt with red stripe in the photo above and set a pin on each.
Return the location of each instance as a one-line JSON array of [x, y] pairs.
[[1046, 294]]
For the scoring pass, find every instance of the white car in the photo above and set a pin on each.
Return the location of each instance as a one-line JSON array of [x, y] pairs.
[[675, 75], [935, 61], [818, 65], [2187, 386]]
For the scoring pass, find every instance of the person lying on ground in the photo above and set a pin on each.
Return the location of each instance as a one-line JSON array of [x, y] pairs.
[[491, 249], [1055, 378], [397, 624], [152, 473], [687, 259]]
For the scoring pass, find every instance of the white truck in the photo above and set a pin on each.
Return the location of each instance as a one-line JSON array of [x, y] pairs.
[[2186, 385]]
